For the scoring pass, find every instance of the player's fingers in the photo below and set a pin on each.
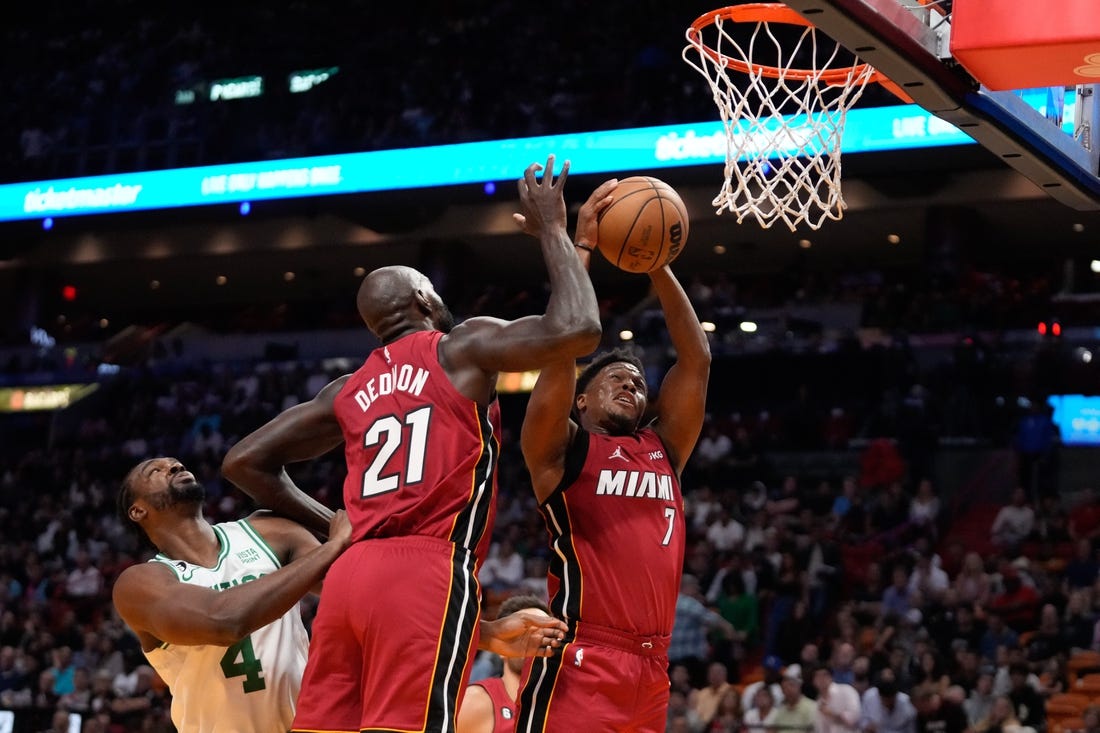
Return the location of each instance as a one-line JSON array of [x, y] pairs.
[[563, 175]]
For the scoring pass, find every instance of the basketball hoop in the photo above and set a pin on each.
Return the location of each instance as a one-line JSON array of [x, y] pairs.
[[783, 105]]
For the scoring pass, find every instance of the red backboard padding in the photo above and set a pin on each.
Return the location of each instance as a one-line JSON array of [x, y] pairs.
[[1018, 44]]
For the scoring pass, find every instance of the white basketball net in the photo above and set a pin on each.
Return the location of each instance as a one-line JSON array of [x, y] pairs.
[[779, 167]]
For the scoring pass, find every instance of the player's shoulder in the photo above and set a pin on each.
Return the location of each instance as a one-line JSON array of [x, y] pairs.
[[279, 533]]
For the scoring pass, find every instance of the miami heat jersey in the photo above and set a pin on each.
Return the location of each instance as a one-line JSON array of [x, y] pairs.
[[504, 709], [616, 527], [251, 686], [421, 457]]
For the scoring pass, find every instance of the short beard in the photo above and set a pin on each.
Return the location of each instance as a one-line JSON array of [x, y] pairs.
[[193, 493], [444, 319], [621, 424]]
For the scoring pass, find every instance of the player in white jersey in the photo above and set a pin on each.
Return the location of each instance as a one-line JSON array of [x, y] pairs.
[[216, 611]]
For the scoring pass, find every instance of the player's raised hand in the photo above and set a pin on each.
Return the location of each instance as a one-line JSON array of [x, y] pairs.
[[542, 201]]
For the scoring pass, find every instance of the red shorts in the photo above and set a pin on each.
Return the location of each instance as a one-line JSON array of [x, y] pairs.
[[393, 640], [603, 680]]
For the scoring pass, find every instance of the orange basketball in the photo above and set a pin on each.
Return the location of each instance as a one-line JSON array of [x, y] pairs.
[[645, 227]]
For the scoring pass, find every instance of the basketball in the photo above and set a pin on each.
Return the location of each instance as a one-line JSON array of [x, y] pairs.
[[645, 227]]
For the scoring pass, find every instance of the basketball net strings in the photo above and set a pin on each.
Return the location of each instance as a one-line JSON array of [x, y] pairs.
[[779, 169]]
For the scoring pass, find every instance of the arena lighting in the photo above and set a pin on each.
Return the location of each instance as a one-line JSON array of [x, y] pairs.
[[1095, 265], [748, 326], [246, 208], [490, 188], [1042, 329], [708, 326], [1056, 329], [719, 249], [805, 243], [68, 292], [626, 334], [47, 223], [893, 238]]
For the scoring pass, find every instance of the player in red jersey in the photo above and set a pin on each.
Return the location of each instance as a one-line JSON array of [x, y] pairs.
[[607, 482], [489, 705], [397, 627]]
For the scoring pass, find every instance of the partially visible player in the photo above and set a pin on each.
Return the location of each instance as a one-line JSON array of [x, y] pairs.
[[489, 705], [605, 465], [216, 611], [397, 626]]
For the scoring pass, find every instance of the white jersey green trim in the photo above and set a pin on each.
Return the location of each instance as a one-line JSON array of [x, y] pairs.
[[250, 686]]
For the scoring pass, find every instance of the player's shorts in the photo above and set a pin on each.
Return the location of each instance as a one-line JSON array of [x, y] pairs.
[[393, 640], [603, 680]]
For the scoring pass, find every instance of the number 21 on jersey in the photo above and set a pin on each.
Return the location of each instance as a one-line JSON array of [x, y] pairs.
[[390, 433]]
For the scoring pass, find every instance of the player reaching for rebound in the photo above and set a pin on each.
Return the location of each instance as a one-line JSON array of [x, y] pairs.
[[607, 482], [396, 629], [489, 705]]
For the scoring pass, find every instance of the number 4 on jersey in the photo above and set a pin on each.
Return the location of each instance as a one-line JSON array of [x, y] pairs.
[[389, 433], [249, 667]]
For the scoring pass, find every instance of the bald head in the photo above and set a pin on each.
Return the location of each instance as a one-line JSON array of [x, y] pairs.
[[394, 300]]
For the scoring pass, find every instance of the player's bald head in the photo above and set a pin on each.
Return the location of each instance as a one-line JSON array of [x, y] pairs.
[[386, 292]]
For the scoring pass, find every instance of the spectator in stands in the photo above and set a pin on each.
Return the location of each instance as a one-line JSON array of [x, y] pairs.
[[997, 636], [1079, 621], [898, 598], [725, 533], [838, 704], [503, 569], [773, 676], [1014, 522], [680, 715], [688, 645], [1027, 703], [924, 509], [705, 700], [795, 712], [1016, 603], [1002, 719], [729, 718], [972, 584], [928, 582], [980, 700], [935, 714], [1083, 570], [886, 709], [1046, 641], [762, 712]]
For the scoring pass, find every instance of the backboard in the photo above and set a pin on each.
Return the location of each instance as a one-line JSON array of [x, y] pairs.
[[910, 41]]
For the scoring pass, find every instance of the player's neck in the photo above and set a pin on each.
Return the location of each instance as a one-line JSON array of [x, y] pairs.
[[191, 539], [511, 682]]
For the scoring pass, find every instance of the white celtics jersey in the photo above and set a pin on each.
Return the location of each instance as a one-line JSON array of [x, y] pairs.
[[252, 686]]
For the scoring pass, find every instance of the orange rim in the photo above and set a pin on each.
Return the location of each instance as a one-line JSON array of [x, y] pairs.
[[770, 13]]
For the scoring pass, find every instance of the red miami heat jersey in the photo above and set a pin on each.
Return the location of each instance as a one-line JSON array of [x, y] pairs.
[[421, 457], [616, 527], [504, 709]]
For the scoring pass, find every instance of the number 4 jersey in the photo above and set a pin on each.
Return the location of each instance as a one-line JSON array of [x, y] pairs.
[[421, 456], [252, 686]]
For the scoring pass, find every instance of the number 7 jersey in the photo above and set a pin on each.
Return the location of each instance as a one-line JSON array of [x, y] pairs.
[[616, 526], [251, 686], [421, 456]]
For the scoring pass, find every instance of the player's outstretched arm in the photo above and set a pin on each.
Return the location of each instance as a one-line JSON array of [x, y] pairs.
[[159, 608], [570, 327], [681, 403], [257, 463], [522, 634], [547, 428]]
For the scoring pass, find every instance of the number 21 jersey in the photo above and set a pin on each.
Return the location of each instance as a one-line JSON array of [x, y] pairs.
[[421, 456]]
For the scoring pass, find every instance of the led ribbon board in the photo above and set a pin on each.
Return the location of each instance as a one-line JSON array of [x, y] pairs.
[[868, 130]]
